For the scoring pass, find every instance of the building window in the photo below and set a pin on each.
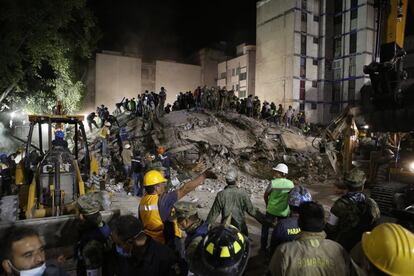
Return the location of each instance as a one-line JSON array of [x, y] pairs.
[[352, 43], [233, 72], [242, 94], [314, 106], [303, 45], [223, 75], [304, 4], [315, 40], [316, 18], [315, 62], [351, 92], [354, 3], [303, 67], [237, 87], [352, 66], [302, 107], [338, 25], [304, 17], [336, 91], [243, 76], [302, 90], [238, 71], [337, 47], [314, 84]]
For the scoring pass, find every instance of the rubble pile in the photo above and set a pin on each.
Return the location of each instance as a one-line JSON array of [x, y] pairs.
[[223, 141]]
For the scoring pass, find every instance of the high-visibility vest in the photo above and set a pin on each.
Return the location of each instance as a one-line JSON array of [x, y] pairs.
[[278, 198], [151, 219]]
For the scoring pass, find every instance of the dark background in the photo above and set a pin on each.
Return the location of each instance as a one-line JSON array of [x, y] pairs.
[[173, 29]]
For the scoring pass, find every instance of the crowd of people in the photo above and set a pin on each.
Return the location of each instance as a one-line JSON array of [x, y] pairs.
[[167, 236]]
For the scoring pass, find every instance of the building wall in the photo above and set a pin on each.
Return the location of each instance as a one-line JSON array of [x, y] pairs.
[[176, 78], [148, 76], [116, 77], [238, 74], [209, 58], [311, 53]]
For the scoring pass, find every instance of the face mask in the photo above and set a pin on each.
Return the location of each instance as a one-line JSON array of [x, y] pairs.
[[38, 271], [122, 252]]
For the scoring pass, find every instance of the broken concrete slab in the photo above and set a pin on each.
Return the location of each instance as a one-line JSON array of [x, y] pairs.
[[297, 142]]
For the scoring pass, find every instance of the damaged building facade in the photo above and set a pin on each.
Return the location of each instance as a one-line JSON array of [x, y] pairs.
[[310, 54], [238, 74]]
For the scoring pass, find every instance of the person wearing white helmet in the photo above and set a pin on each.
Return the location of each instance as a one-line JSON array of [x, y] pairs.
[[127, 159], [233, 202], [276, 199]]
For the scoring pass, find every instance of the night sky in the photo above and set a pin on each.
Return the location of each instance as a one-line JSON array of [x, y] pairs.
[[173, 29]]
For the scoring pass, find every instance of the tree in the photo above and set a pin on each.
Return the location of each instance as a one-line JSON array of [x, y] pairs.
[[44, 49]]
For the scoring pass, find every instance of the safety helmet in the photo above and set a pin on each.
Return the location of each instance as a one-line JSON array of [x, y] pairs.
[[161, 150], [3, 157], [108, 124], [153, 177], [298, 195], [390, 248], [281, 167], [231, 175], [355, 178], [127, 146], [59, 134], [223, 251]]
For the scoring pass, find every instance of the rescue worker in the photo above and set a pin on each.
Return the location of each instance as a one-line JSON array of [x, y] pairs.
[[156, 207], [104, 137], [276, 199], [256, 107], [94, 234], [137, 168], [59, 139], [91, 121], [387, 250], [352, 214], [223, 251], [310, 253], [195, 228], [163, 98], [127, 159], [289, 116], [23, 253], [136, 253], [287, 229], [233, 202], [165, 159]]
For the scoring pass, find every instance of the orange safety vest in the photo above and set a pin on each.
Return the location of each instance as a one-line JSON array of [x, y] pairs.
[[151, 219]]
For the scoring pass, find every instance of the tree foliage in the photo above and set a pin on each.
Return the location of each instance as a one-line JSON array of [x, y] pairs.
[[44, 49]]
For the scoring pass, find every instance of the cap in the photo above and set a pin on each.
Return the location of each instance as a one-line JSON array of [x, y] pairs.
[[185, 209], [355, 178]]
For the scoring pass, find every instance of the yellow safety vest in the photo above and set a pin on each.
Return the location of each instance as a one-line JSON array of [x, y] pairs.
[[151, 219]]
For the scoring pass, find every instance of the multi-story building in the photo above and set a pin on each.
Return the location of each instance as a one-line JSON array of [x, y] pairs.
[[310, 53], [238, 74]]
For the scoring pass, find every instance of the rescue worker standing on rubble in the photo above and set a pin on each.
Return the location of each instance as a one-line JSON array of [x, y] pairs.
[[352, 214], [104, 137], [91, 121], [276, 199], [127, 159], [94, 234], [165, 159], [156, 207], [137, 168], [234, 202], [311, 253]]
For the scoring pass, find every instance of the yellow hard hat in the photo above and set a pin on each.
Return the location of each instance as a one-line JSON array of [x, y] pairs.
[[153, 177], [390, 248]]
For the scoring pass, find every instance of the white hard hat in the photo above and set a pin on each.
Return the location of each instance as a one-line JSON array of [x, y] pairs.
[[127, 146], [231, 175], [281, 168], [108, 124]]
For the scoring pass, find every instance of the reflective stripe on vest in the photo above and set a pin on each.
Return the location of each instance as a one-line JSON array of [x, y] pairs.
[[150, 217]]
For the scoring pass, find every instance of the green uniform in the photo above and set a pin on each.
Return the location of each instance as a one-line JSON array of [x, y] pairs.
[[310, 254], [278, 190], [235, 202]]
